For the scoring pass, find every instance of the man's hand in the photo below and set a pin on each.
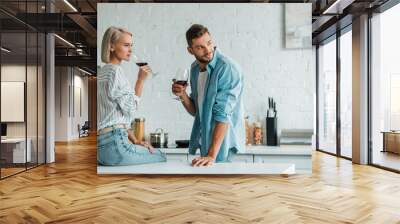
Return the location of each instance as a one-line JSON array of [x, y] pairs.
[[178, 89], [203, 161]]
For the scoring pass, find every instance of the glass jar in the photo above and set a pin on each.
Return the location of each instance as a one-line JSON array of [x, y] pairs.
[[248, 132], [257, 133], [139, 128]]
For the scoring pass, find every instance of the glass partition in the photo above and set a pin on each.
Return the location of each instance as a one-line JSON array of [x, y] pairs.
[[22, 64], [327, 96], [385, 89], [346, 94]]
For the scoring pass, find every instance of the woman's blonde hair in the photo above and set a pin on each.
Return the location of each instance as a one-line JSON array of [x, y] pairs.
[[111, 36]]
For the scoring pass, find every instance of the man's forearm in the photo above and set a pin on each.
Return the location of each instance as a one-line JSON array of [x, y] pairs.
[[217, 138], [188, 104]]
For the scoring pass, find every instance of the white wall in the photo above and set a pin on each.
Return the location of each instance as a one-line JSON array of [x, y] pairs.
[[252, 34], [80, 82], [33, 127], [17, 73], [61, 104], [66, 121]]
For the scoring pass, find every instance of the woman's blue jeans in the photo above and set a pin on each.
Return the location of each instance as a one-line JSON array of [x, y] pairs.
[[114, 149]]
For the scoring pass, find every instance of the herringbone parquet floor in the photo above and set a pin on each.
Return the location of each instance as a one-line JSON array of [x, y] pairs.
[[70, 191]]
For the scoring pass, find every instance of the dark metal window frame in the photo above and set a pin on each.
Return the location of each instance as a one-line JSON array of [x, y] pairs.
[[335, 37]]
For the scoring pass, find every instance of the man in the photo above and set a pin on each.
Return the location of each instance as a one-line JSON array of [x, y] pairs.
[[215, 101]]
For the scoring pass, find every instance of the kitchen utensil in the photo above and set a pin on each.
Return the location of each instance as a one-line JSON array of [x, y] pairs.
[[272, 123], [272, 131], [271, 112], [159, 138]]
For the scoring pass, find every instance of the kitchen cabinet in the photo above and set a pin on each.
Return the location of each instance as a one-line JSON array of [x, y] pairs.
[[299, 155], [243, 158], [185, 168], [255, 160], [177, 157], [301, 162]]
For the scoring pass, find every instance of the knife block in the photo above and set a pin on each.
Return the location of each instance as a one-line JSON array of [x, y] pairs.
[[272, 131]]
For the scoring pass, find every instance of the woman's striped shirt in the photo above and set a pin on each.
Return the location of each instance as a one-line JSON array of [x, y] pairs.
[[116, 100]]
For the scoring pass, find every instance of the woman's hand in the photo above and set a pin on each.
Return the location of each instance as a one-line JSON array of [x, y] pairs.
[[135, 141], [144, 72], [148, 146]]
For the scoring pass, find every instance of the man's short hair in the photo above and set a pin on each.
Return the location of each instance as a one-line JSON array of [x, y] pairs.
[[195, 31]]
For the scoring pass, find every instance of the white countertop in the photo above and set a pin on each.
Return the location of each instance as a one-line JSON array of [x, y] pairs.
[[14, 140], [174, 167], [258, 150]]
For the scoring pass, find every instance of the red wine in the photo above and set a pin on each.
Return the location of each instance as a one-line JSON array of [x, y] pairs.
[[140, 64], [181, 82]]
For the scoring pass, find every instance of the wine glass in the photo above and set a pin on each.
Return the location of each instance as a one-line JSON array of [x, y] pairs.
[[181, 77], [141, 61]]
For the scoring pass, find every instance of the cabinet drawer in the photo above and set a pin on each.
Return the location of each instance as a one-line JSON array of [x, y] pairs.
[[236, 158], [243, 158], [177, 157], [301, 162]]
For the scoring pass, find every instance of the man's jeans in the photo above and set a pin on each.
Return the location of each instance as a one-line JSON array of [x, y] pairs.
[[113, 149]]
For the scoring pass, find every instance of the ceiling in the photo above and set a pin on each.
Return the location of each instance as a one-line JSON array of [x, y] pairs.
[[76, 22]]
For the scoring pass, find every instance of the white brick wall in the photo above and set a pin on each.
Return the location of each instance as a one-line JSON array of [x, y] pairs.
[[252, 34]]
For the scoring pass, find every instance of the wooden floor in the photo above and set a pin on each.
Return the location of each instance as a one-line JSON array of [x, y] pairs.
[[70, 191], [387, 159], [5, 172]]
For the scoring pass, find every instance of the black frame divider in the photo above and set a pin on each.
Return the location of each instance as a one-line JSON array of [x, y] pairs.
[[26, 88], [317, 97], [334, 37], [369, 114], [338, 82]]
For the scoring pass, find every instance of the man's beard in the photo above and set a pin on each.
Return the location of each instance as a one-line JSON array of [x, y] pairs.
[[201, 60]]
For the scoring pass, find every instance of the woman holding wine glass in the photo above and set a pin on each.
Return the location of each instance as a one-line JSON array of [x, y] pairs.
[[117, 101]]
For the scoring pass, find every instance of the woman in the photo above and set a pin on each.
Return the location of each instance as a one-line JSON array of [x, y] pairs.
[[116, 104]]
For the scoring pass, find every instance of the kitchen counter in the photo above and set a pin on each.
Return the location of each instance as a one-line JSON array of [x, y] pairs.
[[259, 150], [300, 155], [174, 167], [284, 159]]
